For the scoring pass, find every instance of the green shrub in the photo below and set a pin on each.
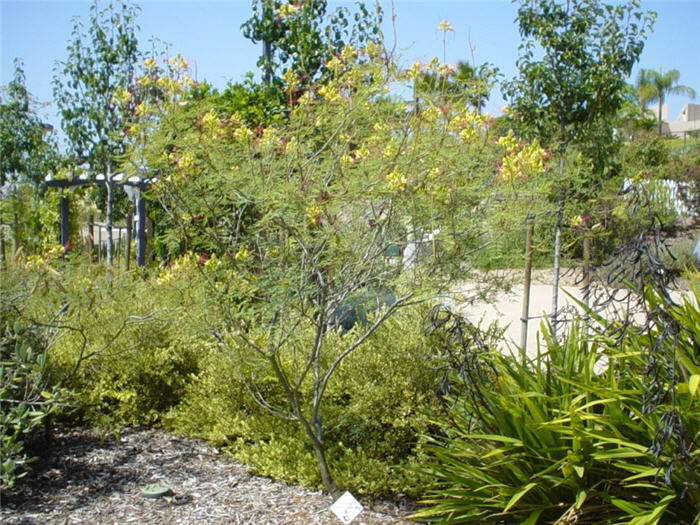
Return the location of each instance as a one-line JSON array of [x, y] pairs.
[[27, 395], [551, 441], [679, 258], [126, 346], [139, 342], [377, 406]]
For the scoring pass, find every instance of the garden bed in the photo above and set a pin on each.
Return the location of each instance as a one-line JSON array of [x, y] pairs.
[[88, 478]]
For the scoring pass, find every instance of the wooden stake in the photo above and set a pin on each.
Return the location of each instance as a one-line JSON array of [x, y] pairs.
[[524, 318]]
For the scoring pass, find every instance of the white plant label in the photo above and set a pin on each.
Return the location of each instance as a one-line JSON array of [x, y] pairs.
[[347, 508]]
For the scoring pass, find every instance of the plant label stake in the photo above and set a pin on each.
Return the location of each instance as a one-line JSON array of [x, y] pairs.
[[347, 508]]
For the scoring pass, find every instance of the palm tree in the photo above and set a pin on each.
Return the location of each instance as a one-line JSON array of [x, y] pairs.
[[654, 86]]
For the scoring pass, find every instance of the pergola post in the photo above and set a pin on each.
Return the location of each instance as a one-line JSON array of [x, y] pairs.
[[141, 213], [111, 181], [64, 221]]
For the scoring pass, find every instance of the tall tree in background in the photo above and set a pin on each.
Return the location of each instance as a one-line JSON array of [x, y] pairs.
[[654, 86], [575, 58], [300, 37], [26, 152], [101, 64]]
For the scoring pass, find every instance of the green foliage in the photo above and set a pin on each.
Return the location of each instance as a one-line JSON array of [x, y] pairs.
[[680, 257], [299, 39], [26, 151], [101, 62], [130, 345], [589, 49], [28, 396], [301, 213], [257, 104], [570, 436], [376, 408]]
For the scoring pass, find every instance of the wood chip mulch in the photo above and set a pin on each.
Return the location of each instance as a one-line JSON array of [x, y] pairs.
[[86, 479]]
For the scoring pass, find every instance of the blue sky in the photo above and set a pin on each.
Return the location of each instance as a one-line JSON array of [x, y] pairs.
[[207, 33]]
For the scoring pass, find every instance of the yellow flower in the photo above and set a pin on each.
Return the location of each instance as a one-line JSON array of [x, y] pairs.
[[372, 50], [445, 26], [242, 254], [348, 53], [290, 77], [243, 134], [270, 138], [396, 181], [415, 70], [329, 92], [286, 10], [141, 110], [313, 214], [210, 122], [390, 150]]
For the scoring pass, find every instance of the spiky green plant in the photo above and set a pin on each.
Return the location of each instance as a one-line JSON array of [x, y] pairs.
[[565, 438]]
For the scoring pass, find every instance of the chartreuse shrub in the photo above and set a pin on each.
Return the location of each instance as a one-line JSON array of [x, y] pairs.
[[125, 345], [376, 409], [137, 342], [552, 441]]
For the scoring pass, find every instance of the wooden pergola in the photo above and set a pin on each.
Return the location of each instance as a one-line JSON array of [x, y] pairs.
[[133, 186]]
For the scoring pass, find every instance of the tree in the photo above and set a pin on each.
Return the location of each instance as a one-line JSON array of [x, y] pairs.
[[654, 86], [573, 67], [296, 224], [101, 64], [297, 37], [464, 85], [26, 152]]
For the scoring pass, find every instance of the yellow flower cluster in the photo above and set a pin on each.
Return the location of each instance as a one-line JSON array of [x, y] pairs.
[[329, 92], [290, 78], [414, 71], [122, 96], [313, 214], [177, 64], [270, 139], [242, 254], [396, 181], [520, 161], [184, 161], [391, 149], [210, 122], [468, 125], [287, 10], [445, 27], [242, 134], [35, 262]]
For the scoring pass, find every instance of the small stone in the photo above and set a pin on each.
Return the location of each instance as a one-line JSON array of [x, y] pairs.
[[156, 490]]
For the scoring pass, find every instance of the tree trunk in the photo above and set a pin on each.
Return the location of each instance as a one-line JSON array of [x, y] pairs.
[[326, 478], [108, 222], [661, 105], [15, 236], [3, 259], [314, 435], [127, 250], [557, 261], [91, 236], [525, 314]]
